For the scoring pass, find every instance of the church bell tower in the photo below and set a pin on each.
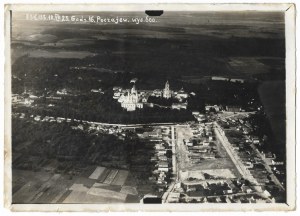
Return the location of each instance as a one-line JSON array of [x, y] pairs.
[[166, 91]]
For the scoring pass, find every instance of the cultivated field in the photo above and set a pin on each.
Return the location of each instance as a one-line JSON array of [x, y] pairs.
[[99, 185], [255, 65], [97, 173]]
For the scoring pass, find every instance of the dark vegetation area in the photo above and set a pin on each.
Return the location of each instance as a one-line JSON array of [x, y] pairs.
[[264, 131], [194, 55], [74, 147], [60, 141], [162, 101], [45, 76]]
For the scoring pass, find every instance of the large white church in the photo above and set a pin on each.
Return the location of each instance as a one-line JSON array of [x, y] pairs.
[[131, 100]]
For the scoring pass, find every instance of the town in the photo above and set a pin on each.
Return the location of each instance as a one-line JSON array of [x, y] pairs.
[[214, 158]]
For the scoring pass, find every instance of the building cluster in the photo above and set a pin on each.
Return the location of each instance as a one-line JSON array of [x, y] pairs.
[[28, 98], [99, 90], [201, 146], [133, 99], [240, 125], [200, 117], [163, 162], [220, 78], [160, 157], [63, 91], [222, 191], [227, 108], [232, 108], [214, 108], [118, 131], [262, 166], [40, 118], [21, 99]]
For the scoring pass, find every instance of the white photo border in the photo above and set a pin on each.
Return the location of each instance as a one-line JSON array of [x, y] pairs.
[[290, 38]]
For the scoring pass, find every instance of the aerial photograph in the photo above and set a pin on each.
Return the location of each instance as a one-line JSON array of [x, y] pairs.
[[141, 107]]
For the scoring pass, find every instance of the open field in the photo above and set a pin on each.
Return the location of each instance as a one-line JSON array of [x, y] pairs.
[[223, 162], [96, 194], [41, 190], [60, 54], [248, 65], [106, 193], [129, 190], [83, 197], [200, 174], [219, 163], [44, 187], [97, 173], [110, 177], [120, 178]]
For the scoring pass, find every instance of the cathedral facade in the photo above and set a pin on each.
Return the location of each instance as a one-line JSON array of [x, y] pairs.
[[131, 100]]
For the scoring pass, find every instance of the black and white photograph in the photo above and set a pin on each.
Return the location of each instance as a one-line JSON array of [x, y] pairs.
[[150, 106]]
